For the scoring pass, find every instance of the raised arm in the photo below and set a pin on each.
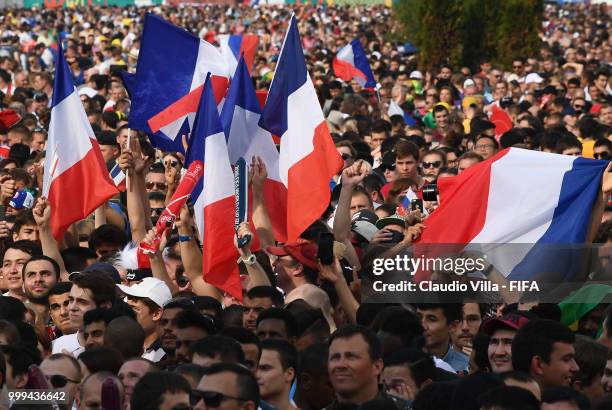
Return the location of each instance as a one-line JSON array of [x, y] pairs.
[[257, 276], [158, 267], [191, 256], [50, 248], [261, 218]]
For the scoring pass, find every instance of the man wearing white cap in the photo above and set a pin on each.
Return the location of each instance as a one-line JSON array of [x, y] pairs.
[[147, 299]]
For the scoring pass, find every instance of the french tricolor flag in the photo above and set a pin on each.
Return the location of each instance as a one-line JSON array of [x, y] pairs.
[[351, 63], [308, 157], [166, 89], [245, 138], [75, 180], [213, 197], [517, 197], [232, 46]]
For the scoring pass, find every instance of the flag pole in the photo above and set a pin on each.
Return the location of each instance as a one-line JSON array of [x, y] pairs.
[[128, 184]]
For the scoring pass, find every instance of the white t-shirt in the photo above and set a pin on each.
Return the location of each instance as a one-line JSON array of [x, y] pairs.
[[70, 343]]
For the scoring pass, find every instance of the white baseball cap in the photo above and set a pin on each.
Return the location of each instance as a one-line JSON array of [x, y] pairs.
[[533, 78], [151, 288], [416, 75]]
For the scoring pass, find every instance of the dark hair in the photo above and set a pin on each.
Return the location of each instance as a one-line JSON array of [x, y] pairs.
[[12, 309], [603, 142], [126, 336], [435, 396], [101, 359], [566, 142], [451, 311], [287, 354], [10, 331], [313, 361], [313, 322], [193, 318], [406, 149], [23, 219], [401, 323], [75, 258], [471, 386], [107, 234], [100, 284], [517, 375], [348, 331], [2, 371], [508, 398], [480, 346], [29, 247], [282, 315], [246, 383], [149, 392], [60, 288], [241, 335], [563, 393], [591, 358], [98, 315], [35, 258], [208, 303], [421, 365], [19, 358], [536, 338], [227, 348], [266, 292]]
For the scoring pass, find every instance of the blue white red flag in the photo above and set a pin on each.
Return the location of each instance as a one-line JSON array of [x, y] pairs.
[[245, 138], [351, 63], [213, 197], [232, 46], [307, 151], [166, 89], [75, 180]]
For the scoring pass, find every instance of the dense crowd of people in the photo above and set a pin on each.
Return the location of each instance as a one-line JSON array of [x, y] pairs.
[[75, 319]]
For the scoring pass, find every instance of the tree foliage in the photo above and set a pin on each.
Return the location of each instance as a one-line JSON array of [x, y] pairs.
[[464, 32]]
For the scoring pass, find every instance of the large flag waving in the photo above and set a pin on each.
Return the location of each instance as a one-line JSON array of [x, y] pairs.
[[213, 197], [530, 199], [308, 156], [233, 46], [246, 139], [76, 180], [351, 63], [166, 89]]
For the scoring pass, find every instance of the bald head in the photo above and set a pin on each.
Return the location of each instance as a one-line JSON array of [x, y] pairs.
[[126, 336], [90, 395]]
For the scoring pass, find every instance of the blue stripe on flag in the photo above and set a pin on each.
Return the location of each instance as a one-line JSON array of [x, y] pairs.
[[63, 85], [234, 42]]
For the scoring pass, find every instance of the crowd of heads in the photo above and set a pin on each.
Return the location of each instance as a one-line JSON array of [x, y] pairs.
[[75, 318]]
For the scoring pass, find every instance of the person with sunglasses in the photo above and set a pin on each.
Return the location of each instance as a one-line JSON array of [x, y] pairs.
[[63, 373], [155, 179], [161, 391], [602, 149], [226, 386], [431, 164]]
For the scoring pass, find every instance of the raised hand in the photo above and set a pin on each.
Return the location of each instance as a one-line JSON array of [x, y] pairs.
[[7, 188], [354, 174], [257, 173], [42, 212]]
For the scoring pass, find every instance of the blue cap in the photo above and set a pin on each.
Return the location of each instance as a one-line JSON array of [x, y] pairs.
[[22, 199]]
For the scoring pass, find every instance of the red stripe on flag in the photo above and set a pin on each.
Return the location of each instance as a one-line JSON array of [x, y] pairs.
[[306, 201], [219, 253], [462, 212], [79, 190], [275, 195], [248, 47], [187, 104], [346, 71]]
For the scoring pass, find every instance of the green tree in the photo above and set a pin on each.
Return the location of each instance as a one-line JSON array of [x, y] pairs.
[[463, 32]]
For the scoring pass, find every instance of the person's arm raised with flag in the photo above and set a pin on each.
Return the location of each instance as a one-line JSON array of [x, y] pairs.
[[50, 248]]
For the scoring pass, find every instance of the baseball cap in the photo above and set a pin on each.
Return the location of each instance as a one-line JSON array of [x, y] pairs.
[[416, 75], [106, 268], [364, 224], [22, 199], [569, 110], [394, 219], [533, 78], [151, 288], [469, 83], [505, 102], [510, 321], [303, 251]]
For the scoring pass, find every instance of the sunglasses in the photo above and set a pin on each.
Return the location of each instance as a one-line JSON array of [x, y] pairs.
[[601, 155], [158, 185], [157, 211], [172, 163], [435, 164], [390, 167], [578, 107], [58, 381], [211, 398], [346, 157]]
